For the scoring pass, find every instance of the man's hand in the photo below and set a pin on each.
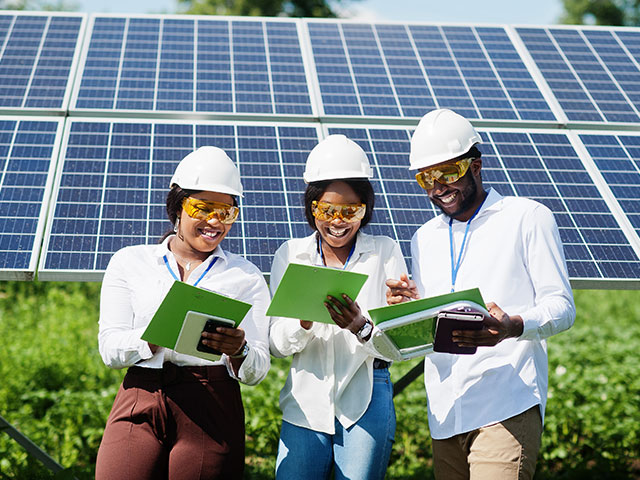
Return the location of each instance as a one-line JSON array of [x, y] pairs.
[[497, 326], [402, 290]]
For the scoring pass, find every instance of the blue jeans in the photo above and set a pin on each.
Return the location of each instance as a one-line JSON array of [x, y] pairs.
[[360, 452]]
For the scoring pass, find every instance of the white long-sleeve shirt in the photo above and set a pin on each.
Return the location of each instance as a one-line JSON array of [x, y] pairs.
[[134, 285], [331, 372], [514, 256]]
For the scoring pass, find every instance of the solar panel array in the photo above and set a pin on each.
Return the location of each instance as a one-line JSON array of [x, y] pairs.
[[120, 99]]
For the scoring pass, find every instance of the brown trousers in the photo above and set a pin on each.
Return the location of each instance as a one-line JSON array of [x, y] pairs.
[[174, 423], [507, 450]]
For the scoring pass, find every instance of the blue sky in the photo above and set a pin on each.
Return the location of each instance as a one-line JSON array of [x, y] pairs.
[[540, 12]]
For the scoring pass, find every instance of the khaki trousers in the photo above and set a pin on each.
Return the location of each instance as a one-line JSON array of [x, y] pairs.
[[176, 423], [504, 451]]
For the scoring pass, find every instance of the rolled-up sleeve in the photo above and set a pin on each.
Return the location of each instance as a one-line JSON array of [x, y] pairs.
[[119, 341], [256, 365], [554, 309], [286, 336]]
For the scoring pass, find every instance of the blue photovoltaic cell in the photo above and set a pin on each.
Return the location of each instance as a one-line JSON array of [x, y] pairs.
[[194, 65], [544, 167], [26, 150], [405, 70], [115, 178], [592, 74], [36, 57], [618, 160]]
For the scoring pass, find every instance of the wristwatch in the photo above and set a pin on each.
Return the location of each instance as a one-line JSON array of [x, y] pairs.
[[243, 353], [364, 331]]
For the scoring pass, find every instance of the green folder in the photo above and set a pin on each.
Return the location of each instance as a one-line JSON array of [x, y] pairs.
[[409, 327], [304, 288], [166, 324]]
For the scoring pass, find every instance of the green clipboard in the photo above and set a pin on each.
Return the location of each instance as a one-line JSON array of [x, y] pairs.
[[408, 328], [166, 324], [304, 288]]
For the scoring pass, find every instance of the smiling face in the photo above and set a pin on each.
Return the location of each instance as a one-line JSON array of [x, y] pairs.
[[461, 198], [338, 233], [201, 235]]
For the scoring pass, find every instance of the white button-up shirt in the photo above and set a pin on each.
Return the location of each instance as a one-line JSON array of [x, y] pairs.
[[514, 255], [137, 280], [331, 372]]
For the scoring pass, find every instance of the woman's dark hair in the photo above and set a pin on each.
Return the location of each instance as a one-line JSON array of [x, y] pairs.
[[174, 204], [362, 188]]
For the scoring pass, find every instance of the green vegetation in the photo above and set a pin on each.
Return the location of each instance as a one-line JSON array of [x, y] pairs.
[[56, 390]]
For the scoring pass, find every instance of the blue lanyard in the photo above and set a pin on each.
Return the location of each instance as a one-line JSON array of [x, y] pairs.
[[166, 262], [353, 247], [455, 266]]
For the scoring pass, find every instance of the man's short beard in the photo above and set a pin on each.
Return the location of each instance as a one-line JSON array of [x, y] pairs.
[[470, 192]]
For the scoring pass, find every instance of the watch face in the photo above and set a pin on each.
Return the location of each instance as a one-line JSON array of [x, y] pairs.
[[365, 330]]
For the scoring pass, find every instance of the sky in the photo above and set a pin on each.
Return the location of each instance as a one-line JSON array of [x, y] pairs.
[[539, 12]]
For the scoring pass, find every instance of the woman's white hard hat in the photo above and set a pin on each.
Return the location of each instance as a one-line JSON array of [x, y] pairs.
[[336, 157], [440, 136], [208, 169]]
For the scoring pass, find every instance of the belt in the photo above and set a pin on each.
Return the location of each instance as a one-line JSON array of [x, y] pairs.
[[171, 373], [378, 363]]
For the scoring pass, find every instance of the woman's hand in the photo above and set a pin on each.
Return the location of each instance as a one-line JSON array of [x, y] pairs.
[[402, 290], [349, 316], [224, 339]]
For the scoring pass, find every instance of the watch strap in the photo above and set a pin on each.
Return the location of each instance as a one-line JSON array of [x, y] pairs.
[[244, 352]]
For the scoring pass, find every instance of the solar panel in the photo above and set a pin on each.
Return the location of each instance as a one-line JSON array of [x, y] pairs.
[[28, 149], [617, 158], [594, 73], [403, 70], [193, 64], [36, 58], [114, 176]]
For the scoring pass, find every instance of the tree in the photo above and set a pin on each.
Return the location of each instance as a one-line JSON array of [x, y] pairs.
[[602, 12], [46, 5], [266, 8]]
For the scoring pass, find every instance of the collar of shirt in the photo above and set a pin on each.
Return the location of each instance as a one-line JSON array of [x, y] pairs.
[[162, 249], [309, 253]]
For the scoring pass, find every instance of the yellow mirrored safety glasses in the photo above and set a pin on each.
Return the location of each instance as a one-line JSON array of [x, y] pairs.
[[202, 210], [444, 174], [328, 211]]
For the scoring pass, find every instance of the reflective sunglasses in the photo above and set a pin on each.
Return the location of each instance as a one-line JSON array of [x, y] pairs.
[[444, 174], [328, 211], [202, 210]]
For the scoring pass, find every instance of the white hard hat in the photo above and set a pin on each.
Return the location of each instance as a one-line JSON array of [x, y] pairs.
[[336, 157], [208, 169], [441, 135]]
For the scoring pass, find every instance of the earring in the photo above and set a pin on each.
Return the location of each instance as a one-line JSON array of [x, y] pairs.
[[175, 225]]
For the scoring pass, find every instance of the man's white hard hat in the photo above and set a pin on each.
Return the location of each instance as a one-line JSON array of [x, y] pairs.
[[208, 169], [336, 157], [441, 135]]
